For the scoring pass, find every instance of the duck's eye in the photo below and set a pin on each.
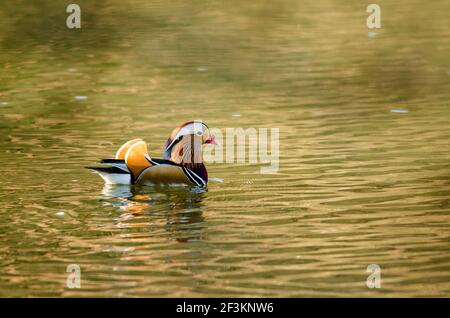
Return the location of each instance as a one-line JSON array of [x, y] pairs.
[[199, 133]]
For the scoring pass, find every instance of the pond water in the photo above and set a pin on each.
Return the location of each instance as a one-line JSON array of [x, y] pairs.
[[364, 127]]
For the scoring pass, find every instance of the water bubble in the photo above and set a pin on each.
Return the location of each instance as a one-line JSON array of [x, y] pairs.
[[4, 103], [236, 115], [216, 179], [81, 97], [71, 70], [60, 213], [202, 69], [399, 110], [372, 34]]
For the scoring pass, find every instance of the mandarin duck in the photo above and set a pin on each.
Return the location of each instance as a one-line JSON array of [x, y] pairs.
[[182, 161]]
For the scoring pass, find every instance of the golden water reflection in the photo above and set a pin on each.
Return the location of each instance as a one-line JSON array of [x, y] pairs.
[[184, 217]]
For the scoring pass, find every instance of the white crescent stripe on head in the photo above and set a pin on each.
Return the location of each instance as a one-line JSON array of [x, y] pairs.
[[192, 128]]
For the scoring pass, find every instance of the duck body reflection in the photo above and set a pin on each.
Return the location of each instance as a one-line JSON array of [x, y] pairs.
[[143, 206]]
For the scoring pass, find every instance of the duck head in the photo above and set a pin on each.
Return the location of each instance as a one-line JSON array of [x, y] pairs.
[[185, 143]]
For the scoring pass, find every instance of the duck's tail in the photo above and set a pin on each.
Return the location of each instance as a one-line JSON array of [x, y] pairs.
[[113, 174]]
